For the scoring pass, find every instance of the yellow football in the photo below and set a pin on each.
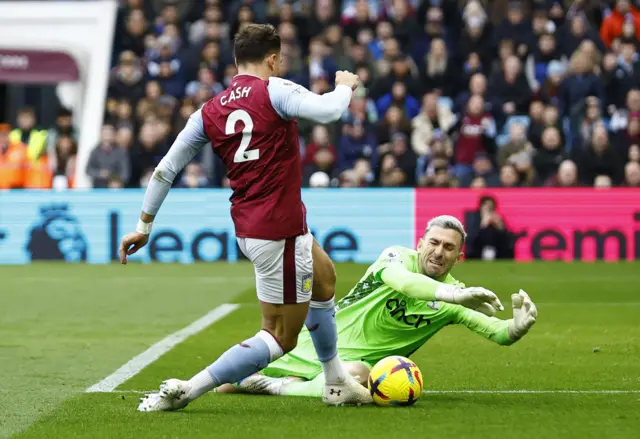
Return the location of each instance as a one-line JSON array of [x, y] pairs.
[[395, 381]]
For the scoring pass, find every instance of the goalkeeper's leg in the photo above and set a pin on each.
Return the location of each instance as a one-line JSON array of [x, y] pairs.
[[261, 384]]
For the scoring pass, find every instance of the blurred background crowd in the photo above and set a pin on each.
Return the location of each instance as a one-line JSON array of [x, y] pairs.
[[471, 93]]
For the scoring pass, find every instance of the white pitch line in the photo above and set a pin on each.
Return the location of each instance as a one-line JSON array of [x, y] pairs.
[[529, 392], [480, 392], [136, 364]]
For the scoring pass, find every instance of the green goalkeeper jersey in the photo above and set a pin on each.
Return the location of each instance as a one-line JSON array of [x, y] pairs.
[[375, 321]]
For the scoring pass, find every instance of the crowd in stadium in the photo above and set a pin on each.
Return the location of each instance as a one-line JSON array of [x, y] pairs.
[[471, 93]]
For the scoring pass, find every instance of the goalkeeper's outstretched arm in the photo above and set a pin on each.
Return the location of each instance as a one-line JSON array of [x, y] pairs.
[[502, 332], [423, 287]]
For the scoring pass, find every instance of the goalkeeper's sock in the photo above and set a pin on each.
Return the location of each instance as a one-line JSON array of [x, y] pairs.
[[238, 362], [321, 323], [313, 388]]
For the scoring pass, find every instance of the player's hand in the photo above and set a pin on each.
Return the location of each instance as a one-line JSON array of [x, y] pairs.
[[525, 314], [130, 244], [475, 298], [347, 78], [479, 299]]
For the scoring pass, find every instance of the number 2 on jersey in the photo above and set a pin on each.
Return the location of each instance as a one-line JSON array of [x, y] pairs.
[[242, 155]]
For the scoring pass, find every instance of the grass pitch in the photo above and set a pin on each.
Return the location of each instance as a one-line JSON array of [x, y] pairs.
[[64, 328]]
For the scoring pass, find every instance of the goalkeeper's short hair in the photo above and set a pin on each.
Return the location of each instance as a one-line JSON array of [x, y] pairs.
[[447, 222]]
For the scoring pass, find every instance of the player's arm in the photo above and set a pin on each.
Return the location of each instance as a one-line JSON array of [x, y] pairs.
[[292, 100], [502, 332], [394, 274], [187, 145]]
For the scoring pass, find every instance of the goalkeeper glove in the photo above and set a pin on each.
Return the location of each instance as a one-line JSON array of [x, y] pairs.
[[475, 298], [525, 314]]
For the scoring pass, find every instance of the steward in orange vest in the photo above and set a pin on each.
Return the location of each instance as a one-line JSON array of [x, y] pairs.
[[13, 161]]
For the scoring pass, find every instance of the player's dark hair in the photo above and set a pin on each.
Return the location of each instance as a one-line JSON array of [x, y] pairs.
[[255, 42]]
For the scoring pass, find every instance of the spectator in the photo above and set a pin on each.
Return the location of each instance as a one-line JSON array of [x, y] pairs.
[[567, 176], [384, 31], [431, 120], [132, 39], [439, 71], [398, 96], [476, 134], [63, 126], [206, 80], [625, 75], [602, 182], [166, 67], [13, 160], [404, 26], [536, 122], [477, 35], [518, 144], [482, 167], [634, 153], [578, 85], [512, 88], [612, 25], [319, 140], [434, 27], [390, 175], [632, 174], [538, 61], [509, 176], [356, 143], [550, 88], [549, 156], [193, 177], [107, 160], [362, 17], [405, 158], [592, 118], [127, 78], [477, 86], [319, 180], [323, 162], [363, 171], [488, 236], [517, 28], [394, 121], [576, 32], [599, 159], [65, 154], [29, 134], [146, 154]]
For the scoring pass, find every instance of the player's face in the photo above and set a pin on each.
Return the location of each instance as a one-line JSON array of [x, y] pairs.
[[440, 250]]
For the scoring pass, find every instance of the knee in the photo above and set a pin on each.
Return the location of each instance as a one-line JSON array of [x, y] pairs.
[[358, 370]]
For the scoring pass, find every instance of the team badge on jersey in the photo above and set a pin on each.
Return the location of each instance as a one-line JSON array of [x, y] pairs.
[[434, 305], [392, 257], [307, 282]]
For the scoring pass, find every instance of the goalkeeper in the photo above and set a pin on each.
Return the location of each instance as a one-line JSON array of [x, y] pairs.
[[402, 301]]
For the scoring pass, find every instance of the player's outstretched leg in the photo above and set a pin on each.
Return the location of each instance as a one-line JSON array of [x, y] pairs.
[[340, 388], [240, 361]]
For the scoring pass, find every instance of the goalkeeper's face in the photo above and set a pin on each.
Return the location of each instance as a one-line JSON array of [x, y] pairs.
[[440, 249]]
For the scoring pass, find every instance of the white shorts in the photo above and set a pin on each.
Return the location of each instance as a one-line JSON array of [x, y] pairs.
[[284, 269]]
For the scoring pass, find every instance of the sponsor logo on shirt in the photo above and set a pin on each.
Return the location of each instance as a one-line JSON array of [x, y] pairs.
[[398, 311]]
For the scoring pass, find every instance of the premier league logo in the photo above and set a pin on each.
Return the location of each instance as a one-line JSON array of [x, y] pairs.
[[57, 236]]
